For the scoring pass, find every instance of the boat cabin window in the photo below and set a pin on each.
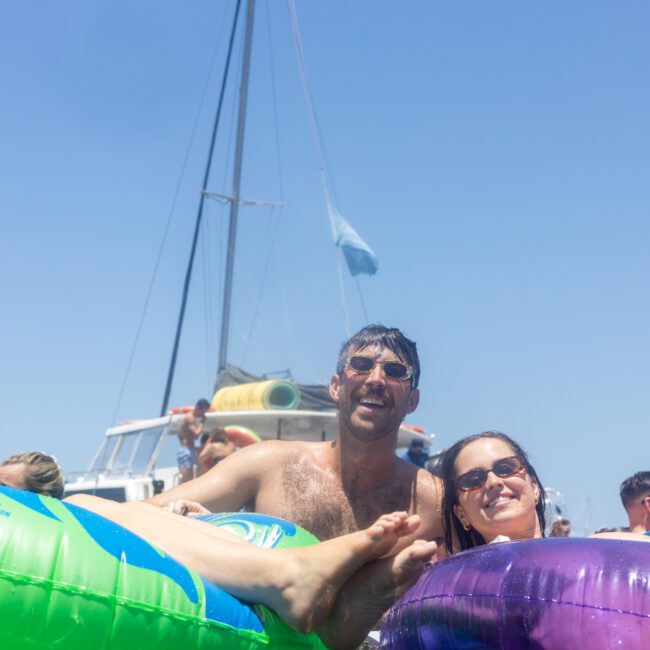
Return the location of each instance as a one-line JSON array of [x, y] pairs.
[[166, 455], [128, 442], [133, 453], [103, 461], [145, 450]]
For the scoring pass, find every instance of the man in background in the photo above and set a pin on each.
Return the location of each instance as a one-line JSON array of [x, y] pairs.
[[635, 495], [338, 487], [416, 453], [561, 528], [190, 432]]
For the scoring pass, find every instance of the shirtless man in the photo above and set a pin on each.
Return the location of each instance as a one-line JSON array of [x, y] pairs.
[[190, 432], [335, 488]]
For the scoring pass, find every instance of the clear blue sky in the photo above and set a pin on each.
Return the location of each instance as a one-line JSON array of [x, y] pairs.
[[494, 155]]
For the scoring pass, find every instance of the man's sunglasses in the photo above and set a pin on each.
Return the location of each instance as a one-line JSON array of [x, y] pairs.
[[392, 369], [476, 478]]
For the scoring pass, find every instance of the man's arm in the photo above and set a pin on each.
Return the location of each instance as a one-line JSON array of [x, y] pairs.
[[231, 484], [193, 425], [206, 453]]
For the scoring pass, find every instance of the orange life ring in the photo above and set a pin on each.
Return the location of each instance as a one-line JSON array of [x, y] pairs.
[[241, 436]]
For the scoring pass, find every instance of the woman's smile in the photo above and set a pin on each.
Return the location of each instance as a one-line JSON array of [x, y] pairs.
[[500, 501]]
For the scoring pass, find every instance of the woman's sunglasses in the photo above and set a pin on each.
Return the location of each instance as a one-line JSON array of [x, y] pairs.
[[392, 369], [476, 478]]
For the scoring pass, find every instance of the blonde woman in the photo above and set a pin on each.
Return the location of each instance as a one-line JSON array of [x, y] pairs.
[[33, 471]]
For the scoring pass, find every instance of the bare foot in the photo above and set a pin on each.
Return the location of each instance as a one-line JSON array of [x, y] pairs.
[[312, 576], [299, 584], [370, 592]]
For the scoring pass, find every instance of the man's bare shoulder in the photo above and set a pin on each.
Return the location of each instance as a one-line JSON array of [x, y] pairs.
[[429, 503], [189, 419], [408, 471], [282, 447], [191, 424], [429, 488], [275, 451], [240, 478], [427, 497]]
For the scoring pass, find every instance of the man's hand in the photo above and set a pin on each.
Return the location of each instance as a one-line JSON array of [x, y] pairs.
[[184, 507]]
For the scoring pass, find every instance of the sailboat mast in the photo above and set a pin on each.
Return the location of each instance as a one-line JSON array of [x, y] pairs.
[[199, 217], [234, 199]]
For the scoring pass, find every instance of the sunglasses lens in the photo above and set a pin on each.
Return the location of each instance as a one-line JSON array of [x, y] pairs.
[[507, 467], [361, 364], [392, 369], [396, 370], [472, 480], [476, 478]]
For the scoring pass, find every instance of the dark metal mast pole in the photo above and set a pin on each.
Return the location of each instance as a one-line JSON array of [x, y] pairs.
[[234, 199], [199, 217]]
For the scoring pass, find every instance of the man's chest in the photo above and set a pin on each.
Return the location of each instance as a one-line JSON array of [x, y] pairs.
[[317, 500]]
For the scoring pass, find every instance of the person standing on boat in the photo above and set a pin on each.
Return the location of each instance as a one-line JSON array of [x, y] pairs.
[[635, 495], [191, 430]]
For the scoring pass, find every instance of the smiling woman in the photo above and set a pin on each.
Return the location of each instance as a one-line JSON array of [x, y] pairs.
[[490, 490], [530, 593]]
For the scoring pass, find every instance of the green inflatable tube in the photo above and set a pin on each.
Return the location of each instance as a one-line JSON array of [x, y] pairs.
[[72, 580]]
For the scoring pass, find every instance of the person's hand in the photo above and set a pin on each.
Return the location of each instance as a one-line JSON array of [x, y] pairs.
[[187, 508]]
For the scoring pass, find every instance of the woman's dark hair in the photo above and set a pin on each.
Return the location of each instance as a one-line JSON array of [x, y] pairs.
[[450, 522]]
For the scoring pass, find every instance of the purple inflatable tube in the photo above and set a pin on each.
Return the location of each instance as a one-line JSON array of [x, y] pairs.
[[549, 594]]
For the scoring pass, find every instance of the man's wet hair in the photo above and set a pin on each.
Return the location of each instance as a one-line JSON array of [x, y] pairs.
[[377, 335], [202, 404], [634, 487]]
